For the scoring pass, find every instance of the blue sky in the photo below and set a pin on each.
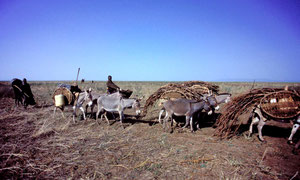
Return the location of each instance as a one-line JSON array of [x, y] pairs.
[[150, 40]]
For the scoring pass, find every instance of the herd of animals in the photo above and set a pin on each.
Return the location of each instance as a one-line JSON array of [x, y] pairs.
[[117, 102]]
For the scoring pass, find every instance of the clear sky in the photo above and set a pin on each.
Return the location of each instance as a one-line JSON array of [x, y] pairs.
[[150, 40]]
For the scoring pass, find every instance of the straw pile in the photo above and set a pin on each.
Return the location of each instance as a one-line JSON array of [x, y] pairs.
[[189, 90], [229, 123]]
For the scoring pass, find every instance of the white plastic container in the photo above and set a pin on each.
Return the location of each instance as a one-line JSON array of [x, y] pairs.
[[59, 100]]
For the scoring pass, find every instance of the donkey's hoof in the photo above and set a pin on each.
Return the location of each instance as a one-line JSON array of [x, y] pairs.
[[249, 135], [262, 140]]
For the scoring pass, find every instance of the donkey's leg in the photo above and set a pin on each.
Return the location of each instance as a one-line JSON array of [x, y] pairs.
[[187, 121], [294, 130], [92, 110], [121, 117], [86, 110], [191, 124], [165, 119], [62, 111], [159, 117], [82, 110], [98, 112], [260, 125], [254, 121], [54, 111], [74, 113], [105, 115]]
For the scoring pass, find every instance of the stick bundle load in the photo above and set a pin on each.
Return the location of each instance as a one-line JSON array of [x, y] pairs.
[[64, 91], [189, 90], [275, 103]]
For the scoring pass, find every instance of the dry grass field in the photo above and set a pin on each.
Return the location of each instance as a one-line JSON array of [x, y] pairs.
[[36, 145]]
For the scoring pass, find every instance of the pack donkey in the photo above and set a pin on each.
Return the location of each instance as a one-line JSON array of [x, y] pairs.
[[90, 100], [115, 103], [83, 97], [95, 96], [257, 118], [213, 102], [183, 107]]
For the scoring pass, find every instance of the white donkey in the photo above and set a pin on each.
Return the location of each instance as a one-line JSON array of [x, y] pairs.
[[258, 118], [83, 97], [90, 100], [115, 103]]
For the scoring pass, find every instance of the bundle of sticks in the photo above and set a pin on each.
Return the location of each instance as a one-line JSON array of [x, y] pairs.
[[189, 90], [229, 123]]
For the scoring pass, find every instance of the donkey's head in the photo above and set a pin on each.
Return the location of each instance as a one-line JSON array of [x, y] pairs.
[[88, 96], [85, 97]]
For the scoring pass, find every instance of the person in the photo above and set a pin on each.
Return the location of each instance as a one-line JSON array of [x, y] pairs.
[[29, 99], [111, 87]]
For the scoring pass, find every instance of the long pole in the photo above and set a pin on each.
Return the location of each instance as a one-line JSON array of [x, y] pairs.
[[77, 75]]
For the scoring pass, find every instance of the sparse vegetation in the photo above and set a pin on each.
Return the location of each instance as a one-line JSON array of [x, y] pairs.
[[36, 145]]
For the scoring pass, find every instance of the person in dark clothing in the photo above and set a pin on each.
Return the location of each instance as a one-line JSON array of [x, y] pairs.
[[18, 93], [75, 89], [28, 98], [111, 87]]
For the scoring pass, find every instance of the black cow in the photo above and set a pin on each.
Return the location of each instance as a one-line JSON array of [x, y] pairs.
[[23, 93]]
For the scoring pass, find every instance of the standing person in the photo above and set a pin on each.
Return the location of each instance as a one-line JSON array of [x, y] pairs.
[[111, 87], [28, 93]]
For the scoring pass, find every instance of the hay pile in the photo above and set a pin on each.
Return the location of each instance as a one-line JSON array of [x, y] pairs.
[[189, 90], [229, 123]]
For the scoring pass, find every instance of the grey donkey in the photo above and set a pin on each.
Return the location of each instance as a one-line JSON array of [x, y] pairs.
[[183, 107], [116, 104]]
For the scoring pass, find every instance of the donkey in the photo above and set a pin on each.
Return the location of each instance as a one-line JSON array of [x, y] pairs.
[[223, 98], [258, 118], [116, 104], [85, 96], [95, 96], [183, 107], [216, 100]]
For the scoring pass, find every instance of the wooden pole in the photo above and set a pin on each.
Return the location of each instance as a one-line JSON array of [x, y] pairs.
[[77, 75]]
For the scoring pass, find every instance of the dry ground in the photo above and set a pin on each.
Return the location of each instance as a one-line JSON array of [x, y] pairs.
[[35, 145]]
